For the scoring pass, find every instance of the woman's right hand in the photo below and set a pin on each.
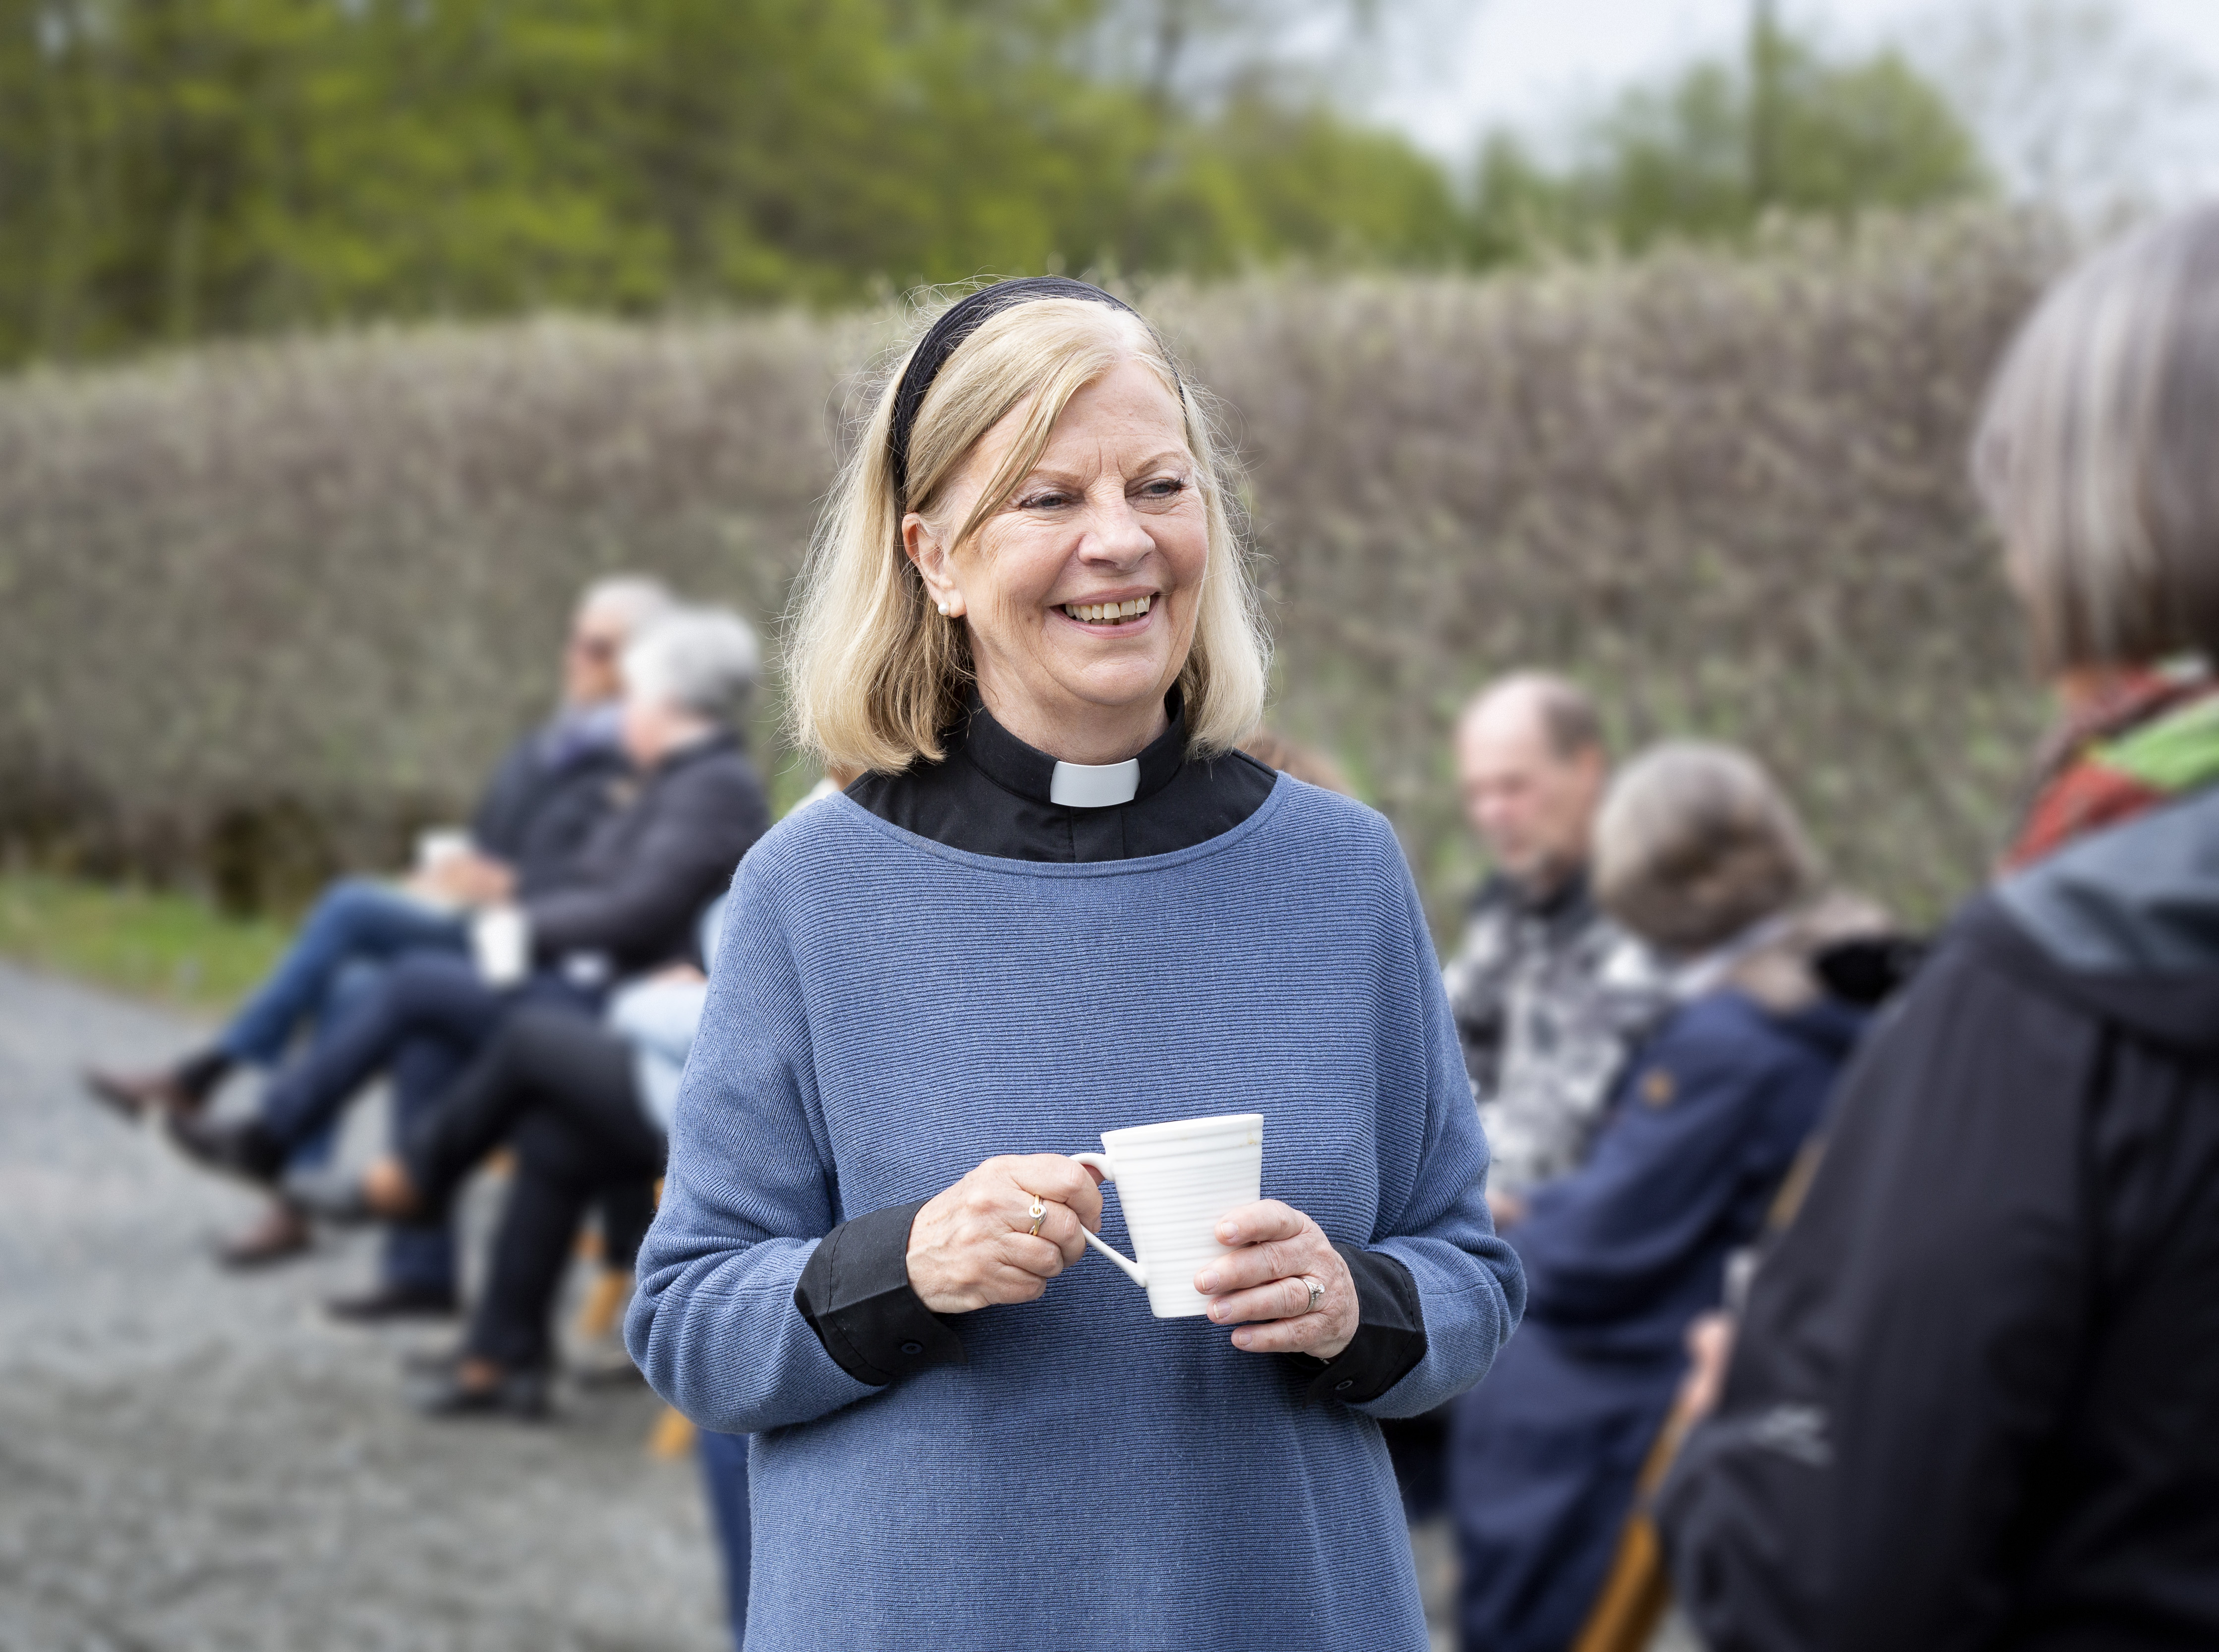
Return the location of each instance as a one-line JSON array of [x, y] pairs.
[[972, 1245]]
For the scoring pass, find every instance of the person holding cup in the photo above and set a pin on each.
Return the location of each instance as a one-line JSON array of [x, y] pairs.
[[1060, 906]]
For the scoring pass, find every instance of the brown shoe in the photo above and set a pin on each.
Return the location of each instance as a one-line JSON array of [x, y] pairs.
[[282, 1235], [181, 1090], [134, 1094]]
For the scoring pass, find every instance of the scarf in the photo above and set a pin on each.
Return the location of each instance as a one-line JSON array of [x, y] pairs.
[[2152, 738]]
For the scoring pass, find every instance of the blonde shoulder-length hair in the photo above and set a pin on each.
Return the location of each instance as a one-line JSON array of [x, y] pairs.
[[875, 675]]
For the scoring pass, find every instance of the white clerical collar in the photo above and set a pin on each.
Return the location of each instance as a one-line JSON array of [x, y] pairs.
[[1094, 785]]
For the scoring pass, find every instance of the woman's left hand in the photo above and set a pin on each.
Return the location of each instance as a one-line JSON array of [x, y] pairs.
[[1261, 1287]]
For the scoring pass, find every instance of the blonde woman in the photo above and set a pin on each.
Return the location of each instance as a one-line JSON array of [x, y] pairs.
[[1059, 902]]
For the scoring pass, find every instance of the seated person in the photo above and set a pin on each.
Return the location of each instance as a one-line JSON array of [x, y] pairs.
[[586, 1107], [1698, 855], [1549, 993], [625, 907], [549, 792], [555, 785]]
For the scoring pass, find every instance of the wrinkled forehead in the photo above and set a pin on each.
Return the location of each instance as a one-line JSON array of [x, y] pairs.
[[1127, 404]]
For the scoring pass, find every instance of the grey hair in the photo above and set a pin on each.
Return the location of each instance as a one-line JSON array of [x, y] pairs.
[[1567, 714], [640, 603], [2095, 452], [703, 659], [1695, 843]]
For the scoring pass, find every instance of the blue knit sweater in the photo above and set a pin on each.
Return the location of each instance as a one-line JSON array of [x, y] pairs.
[[885, 1013]]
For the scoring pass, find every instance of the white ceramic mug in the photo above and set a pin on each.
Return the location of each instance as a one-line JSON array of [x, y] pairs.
[[1174, 1181]]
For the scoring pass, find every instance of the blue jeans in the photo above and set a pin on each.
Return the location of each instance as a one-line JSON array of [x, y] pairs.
[[422, 1021], [725, 1478], [354, 921], [351, 985]]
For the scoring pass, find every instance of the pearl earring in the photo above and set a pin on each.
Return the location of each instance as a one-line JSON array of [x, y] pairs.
[[944, 607]]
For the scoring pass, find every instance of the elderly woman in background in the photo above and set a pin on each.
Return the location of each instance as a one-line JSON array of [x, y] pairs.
[[625, 905], [1698, 855], [1972, 1401], [1061, 902], [553, 789]]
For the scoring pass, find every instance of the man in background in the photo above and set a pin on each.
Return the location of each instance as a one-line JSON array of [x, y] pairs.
[[1548, 993], [554, 788]]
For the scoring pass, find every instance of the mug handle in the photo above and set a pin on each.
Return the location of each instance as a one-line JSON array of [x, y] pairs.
[[1132, 1269]]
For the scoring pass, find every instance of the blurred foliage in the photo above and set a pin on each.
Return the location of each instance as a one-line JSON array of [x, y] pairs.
[[1785, 129], [278, 604], [173, 947], [175, 169], [1725, 488]]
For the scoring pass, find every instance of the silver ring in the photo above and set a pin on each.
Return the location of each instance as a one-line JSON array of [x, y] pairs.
[[1317, 1293]]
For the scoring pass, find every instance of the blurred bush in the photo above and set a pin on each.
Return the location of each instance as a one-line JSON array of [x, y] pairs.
[[1727, 493], [264, 608]]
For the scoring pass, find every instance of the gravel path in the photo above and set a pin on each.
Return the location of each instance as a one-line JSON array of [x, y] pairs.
[[193, 1460]]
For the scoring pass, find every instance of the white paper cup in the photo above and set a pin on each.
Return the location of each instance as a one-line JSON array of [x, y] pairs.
[[435, 847], [501, 943]]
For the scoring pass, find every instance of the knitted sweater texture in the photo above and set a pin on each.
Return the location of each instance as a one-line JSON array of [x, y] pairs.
[[886, 1012]]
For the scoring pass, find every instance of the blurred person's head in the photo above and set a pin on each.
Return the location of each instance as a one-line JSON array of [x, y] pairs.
[[1053, 462], [1530, 757], [1693, 844], [1275, 750], [2097, 455], [685, 676], [610, 615]]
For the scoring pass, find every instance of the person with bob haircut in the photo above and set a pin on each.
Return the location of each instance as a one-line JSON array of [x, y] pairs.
[[1971, 1402], [1059, 902], [1698, 855]]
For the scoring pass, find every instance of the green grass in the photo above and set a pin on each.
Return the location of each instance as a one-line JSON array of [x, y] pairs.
[[172, 949]]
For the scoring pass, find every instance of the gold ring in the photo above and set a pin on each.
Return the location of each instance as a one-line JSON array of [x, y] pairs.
[[1038, 1214]]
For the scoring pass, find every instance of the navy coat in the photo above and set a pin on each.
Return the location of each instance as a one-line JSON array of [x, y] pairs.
[[1974, 1401], [1620, 1256]]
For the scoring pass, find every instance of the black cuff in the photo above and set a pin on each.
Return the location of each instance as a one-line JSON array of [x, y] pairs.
[[1390, 1331], [855, 1294]]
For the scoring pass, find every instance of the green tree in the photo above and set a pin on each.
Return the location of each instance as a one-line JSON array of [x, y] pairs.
[[1784, 129], [175, 169]]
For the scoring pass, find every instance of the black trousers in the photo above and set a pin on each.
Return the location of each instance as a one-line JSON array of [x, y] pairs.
[[558, 1089]]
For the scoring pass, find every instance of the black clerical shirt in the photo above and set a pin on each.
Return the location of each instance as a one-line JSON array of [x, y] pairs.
[[990, 794]]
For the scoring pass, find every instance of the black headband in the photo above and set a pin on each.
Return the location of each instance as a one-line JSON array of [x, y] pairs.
[[956, 324]]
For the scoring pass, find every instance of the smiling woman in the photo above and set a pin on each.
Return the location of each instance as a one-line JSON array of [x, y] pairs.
[[974, 498], [1059, 903]]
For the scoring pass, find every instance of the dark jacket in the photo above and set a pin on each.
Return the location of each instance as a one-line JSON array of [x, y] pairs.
[[1975, 1398], [1620, 1255], [551, 790], [632, 895], [1625, 1252]]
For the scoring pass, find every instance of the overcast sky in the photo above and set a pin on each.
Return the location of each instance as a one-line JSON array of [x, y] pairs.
[[1532, 64]]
